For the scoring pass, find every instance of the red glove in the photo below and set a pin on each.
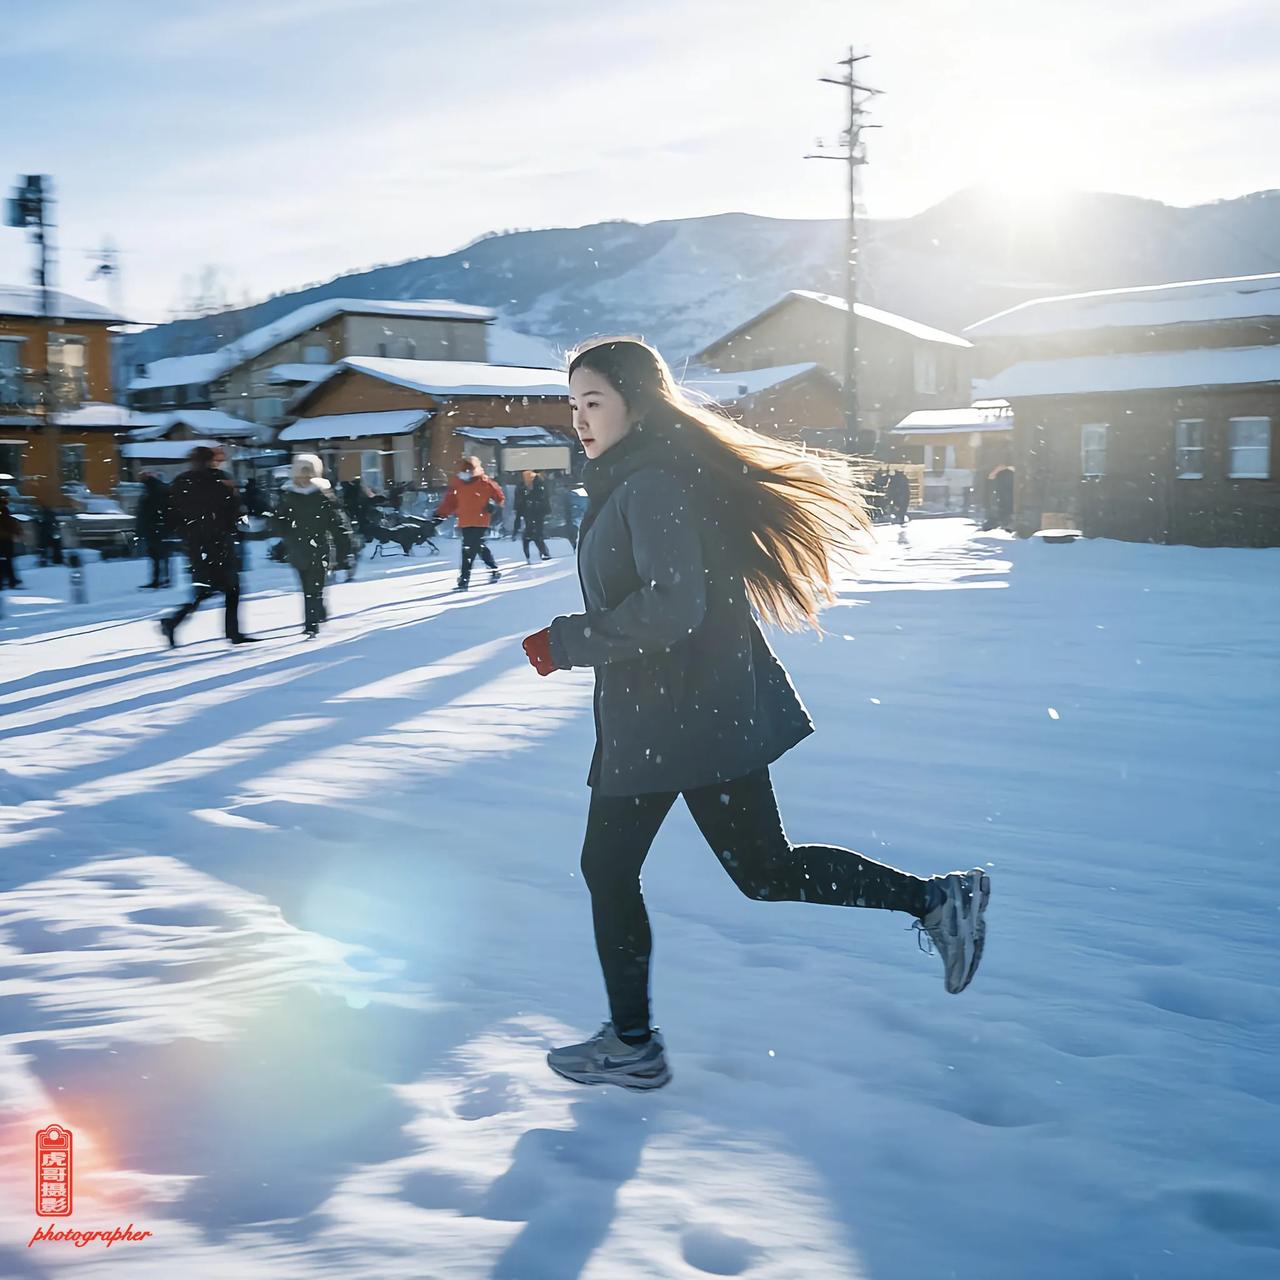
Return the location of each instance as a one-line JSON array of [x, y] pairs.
[[538, 649]]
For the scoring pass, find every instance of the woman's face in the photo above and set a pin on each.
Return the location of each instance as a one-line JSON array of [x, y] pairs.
[[599, 412]]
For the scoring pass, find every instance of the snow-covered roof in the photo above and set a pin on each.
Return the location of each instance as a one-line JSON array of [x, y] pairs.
[[738, 383], [181, 371], [165, 450], [461, 377], [985, 415], [210, 422], [355, 426], [214, 422], [99, 414], [203, 368], [1136, 371], [282, 374], [26, 300], [506, 435], [1149, 306], [912, 327], [506, 346]]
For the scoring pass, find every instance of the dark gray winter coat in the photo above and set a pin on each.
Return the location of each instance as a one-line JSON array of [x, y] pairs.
[[314, 528], [688, 691]]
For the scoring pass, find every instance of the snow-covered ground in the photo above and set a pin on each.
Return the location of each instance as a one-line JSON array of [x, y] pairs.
[[287, 929]]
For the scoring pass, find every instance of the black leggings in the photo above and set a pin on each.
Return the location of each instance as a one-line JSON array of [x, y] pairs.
[[473, 544], [533, 526], [311, 578], [741, 823]]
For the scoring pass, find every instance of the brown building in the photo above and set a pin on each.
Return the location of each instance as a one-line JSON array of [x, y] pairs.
[[385, 421], [255, 375], [799, 402], [75, 349], [902, 364], [1145, 414]]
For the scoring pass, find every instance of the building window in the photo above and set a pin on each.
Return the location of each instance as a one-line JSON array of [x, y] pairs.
[[1189, 444], [10, 372], [67, 365], [398, 348], [371, 469], [71, 463], [269, 408], [925, 372], [315, 355], [1249, 449], [1093, 449]]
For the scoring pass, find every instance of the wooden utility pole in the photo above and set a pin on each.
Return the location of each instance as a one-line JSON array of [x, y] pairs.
[[853, 155]]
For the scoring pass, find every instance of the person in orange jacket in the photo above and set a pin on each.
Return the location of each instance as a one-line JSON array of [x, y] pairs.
[[474, 498]]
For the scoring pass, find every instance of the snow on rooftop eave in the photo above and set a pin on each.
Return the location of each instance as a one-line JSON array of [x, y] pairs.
[[433, 377], [339, 426], [888, 318], [1137, 372], [736, 384], [877, 315], [68, 306], [1128, 291]]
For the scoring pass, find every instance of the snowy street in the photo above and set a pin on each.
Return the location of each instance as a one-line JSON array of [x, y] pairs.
[[287, 929]]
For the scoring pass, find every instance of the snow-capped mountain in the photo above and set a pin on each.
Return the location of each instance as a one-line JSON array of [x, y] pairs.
[[683, 282]]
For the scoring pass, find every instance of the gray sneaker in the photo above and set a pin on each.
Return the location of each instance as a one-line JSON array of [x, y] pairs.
[[604, 1059], [957, 926]]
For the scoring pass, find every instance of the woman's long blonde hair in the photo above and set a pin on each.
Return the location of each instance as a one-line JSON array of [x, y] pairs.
[[791, 516]]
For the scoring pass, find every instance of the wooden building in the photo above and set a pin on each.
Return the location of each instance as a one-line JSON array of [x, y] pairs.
[[798, 402], [1145, 414], [902, 365], [386, 421], [255, 375], [75, 349]]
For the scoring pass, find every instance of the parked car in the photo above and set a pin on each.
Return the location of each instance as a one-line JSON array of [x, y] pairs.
[[103, 524]]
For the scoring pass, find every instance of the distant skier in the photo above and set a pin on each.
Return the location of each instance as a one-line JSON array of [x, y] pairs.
[[532, 506], [694, 525], [203, 510], [474, 498], [898, 496], [316, 534], [152, 518]]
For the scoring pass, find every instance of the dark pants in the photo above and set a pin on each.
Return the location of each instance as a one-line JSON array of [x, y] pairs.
[[159, 555], [8, 573], [210, 579], [311, 577], [740, 822], [533, 533], [473, 544]]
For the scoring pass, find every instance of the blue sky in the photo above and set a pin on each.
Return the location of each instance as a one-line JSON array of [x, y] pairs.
[[286, 141]]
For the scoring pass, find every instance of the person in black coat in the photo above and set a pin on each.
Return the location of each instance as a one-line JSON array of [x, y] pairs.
[[316, 534], [532, 505], [203, 510], [10, 530], [695, 526], [152, 518], [898, 496]]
